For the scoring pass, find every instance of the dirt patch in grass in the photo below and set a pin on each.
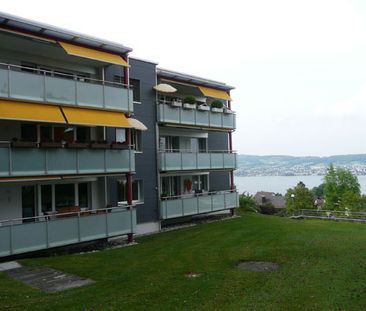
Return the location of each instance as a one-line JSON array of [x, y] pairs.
[[258, 266], [193, 275]]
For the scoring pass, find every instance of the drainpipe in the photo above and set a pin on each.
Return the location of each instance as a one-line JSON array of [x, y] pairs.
[[232, 186], [126, 81]]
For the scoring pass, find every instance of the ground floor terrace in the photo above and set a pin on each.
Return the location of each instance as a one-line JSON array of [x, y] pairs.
[[45, 213]]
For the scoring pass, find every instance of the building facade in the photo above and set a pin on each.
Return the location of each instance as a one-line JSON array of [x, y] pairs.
[[91, 147]]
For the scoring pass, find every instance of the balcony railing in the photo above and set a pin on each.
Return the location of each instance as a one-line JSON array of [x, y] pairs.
[[179, 206], [195, 117], [55, 161], [37, 233], [183, 160], [31, 84]]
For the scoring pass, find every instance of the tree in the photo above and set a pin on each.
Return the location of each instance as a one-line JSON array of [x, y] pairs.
[[341, 189], [318, 192], [299, 197]]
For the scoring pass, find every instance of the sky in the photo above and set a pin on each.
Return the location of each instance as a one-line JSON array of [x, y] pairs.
[[298, 66]]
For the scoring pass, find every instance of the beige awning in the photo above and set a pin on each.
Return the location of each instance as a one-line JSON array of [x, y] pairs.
[[136, 124], [165, 88]]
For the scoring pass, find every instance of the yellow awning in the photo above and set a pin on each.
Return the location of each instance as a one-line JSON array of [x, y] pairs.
[[17, 110], [209, 92], [94, 117], [81, 51], [136, 124]]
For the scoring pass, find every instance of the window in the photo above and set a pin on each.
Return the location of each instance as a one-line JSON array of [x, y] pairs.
[[83, 194], [199, 183], [29, 132], [169, 143], [83, 134], [135, 84], [120, 135], [118, 79], [65, 195], [137, 191], [46, 198], [46, 133], [136, 140], [170, 186]]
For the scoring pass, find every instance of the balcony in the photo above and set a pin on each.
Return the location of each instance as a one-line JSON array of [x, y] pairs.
[[195, 117], [173, 207], [20, 83], [63, 161], [32, 234], [187, 161]]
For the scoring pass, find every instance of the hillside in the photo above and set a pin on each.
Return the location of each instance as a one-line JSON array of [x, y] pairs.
[[282, 165]]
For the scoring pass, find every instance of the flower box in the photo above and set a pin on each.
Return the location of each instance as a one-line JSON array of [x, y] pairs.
[[218, 110], [189, 106], [99, 146], [75, 145], [203, 107], [119, 146], [24, 144], [228, 111], [176, 103], [50, 144]]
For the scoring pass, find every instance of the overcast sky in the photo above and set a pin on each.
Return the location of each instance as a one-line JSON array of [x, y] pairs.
[[299, 66]]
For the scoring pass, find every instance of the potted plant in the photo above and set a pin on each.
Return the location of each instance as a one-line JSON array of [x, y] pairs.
[[119, 145], [189, 102], [77, 145], [176, 102], [217, 106], [23, 144], [99, 144], [49, 143]]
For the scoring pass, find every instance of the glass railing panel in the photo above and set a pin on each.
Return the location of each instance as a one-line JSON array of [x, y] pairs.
[[218, 202], [228, 120], [118, 98], [60, 90], [217, 160], [202, 118], [62, 161], [172, 208], [93, 227], [63, 231], [5, 243], [28, 161], [230, 160], [91, 161], [203, 160], [29, 237], [189, 161], [190, 206], [89, 94], [27, 86], [117, 160], [4, 86], [204, 203], [216, 119], [4, 162], [188, 116]]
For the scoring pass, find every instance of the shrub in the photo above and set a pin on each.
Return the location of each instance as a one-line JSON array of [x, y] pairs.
[[267, 209], [189, 100], [247, 202], [217, 104]]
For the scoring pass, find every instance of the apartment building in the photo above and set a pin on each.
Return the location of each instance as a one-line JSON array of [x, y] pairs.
[[96, 144]]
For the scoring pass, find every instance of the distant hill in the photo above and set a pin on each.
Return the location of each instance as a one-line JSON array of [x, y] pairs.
[[283, 165]]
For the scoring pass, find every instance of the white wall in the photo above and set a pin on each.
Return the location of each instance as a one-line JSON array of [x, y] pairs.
[[10, 201]]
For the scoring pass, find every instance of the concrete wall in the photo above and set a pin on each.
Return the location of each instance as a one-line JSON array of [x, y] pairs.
[[218, 180], [146, 161]]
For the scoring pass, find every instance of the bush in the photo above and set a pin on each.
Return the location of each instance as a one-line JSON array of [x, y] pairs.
[[189, 100], [217, 104], [267, 209], [247, 203]]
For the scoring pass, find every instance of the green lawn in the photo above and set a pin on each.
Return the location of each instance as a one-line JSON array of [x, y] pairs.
[[323, 267]]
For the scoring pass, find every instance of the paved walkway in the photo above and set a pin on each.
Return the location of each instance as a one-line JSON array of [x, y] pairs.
[[44, 278]]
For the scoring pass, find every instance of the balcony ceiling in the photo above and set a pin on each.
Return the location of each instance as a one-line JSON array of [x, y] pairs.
[[57, 33], [18, 44]]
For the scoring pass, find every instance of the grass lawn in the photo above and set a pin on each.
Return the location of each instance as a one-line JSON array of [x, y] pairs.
[[323, 267]]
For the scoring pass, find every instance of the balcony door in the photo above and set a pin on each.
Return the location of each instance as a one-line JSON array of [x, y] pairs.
[[28, 202]]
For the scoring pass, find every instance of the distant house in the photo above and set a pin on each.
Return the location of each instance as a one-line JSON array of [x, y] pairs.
[[263, 198]]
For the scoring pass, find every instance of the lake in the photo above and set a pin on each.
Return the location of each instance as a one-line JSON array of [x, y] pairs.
[[280, 184]]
